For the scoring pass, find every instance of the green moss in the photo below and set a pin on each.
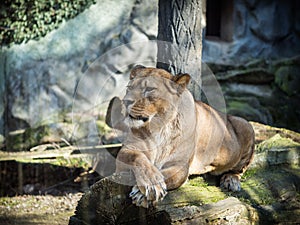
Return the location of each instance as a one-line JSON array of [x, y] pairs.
[[277, 142], [8, 202], [287, 79], [71, 162], [246, 107], [258, 187], [102, 127], [197, 192], [263, 186]]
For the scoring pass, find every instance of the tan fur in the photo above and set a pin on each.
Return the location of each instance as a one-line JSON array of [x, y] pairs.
[[170, 136]]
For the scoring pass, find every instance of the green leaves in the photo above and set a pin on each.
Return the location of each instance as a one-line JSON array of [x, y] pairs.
[[23, 20]]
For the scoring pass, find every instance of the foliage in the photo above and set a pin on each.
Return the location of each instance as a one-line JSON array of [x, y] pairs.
[[23, 20]]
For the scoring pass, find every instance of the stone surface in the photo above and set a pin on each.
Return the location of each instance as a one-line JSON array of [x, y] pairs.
[[249, 108], [262, 91], [287, 79], [267, 17], [107, 202], [69, 70], [262, 29]]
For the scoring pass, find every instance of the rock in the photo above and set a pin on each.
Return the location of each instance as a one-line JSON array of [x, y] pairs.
[[84, 133], [248, 108], [58, 74], [287, 80], [107, 202], [259, 30], [263, 91], [267, 17], [247, 76], [264, 132], [145, 17], [49, 133], [276, 151]]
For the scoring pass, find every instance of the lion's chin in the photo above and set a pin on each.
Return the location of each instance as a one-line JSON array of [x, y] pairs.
[[136, 122]]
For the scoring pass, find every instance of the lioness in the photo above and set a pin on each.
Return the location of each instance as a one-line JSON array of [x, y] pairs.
[[170, 136]]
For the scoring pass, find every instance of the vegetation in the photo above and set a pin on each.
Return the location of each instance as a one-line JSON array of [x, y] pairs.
[[23, 20]]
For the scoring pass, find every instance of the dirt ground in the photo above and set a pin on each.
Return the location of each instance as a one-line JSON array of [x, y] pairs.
[[38, 209]]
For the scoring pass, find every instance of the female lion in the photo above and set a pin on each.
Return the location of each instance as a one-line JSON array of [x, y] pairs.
[[170, 136]]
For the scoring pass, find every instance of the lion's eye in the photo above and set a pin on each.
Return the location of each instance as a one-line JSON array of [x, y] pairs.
[[150, 89]]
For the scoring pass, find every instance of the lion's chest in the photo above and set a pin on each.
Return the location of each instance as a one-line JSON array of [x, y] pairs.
[[164, 144]]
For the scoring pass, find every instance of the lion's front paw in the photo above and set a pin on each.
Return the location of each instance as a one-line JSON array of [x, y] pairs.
[[150, 187], [138, 198], [230, 182], [147, 196]]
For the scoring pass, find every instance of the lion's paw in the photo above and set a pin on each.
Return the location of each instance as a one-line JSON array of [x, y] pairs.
[[230, 182], [138, 198], [147, 196]]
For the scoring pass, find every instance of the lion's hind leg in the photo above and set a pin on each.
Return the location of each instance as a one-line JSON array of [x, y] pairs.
[[230, 182]]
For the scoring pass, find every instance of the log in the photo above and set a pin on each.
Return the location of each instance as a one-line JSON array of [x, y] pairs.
[[107, 202], [42, 153]]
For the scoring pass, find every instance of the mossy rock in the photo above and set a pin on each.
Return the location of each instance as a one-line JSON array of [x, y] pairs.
[[288, 80], [248, 108], [265, 199], [60, 132], [277, 142], [107, 202], [279, 146], [247, 76]]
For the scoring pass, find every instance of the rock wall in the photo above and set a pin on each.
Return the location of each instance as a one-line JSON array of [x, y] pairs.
[[263, 91], [256, 59], [39, 80], [260, 29]]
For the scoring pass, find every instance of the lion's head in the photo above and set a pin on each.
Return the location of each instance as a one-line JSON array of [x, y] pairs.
[[152, 97]]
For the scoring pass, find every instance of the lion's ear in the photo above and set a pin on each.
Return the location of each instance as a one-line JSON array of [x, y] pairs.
[[135, 70], [182, 79]]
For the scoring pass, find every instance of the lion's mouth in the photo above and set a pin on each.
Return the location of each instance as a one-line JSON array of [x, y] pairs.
[[142, 118]]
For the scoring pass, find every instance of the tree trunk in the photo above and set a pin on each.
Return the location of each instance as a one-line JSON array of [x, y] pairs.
[[180, 39]]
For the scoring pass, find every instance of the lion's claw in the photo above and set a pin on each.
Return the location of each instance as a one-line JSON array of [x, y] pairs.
[[134, 191], [150, 196]]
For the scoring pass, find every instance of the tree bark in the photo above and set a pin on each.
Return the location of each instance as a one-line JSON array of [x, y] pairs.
[[180, 39]]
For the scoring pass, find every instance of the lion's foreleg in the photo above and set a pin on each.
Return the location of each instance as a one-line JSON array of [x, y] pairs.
[[175, 174], [150, 185]]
